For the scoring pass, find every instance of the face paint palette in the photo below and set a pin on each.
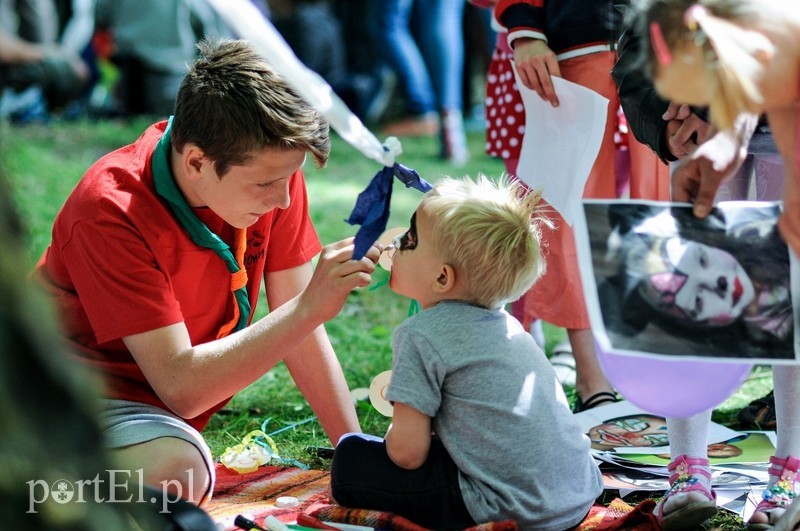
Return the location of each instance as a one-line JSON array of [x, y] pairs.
[[377, 393], [385, 261]]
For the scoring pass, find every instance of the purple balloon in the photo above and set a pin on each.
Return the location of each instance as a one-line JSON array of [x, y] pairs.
[[672, 388]]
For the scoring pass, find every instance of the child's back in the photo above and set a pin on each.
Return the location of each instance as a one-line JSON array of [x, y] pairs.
[[501, 414]]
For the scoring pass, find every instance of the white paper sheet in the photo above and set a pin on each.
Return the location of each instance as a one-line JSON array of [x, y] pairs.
[[561, 143]]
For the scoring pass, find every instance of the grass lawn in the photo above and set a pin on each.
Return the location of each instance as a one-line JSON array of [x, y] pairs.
[[45, 162]]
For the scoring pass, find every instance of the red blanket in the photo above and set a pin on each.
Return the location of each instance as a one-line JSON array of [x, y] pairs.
[[255, 494]]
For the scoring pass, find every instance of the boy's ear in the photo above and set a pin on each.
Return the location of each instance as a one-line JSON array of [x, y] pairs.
[[193, 158], [446, 279]]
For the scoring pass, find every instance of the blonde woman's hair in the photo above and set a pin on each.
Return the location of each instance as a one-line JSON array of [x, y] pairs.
[[489, 231], [728, 50]]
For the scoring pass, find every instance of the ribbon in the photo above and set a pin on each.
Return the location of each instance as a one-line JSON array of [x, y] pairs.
[[372, 206]]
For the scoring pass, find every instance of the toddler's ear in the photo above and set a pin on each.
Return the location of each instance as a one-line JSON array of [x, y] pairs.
[[446, 279]]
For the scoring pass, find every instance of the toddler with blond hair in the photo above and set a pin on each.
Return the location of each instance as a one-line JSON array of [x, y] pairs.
[[481, 429]]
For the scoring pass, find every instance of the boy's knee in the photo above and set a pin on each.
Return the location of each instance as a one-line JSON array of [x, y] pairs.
[[171, 465]]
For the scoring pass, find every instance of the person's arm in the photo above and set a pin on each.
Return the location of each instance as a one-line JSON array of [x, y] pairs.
[[190, 379], [535, 62], [313, 364], [784, 126], [408, 439], [641, 104], [15, 50]]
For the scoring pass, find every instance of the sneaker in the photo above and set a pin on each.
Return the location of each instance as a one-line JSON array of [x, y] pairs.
[[377, 101], [453, 138]]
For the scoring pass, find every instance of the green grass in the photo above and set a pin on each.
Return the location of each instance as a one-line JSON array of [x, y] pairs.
[[45, 162]]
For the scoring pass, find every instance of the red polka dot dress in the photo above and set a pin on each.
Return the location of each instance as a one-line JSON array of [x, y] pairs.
[[505, 114]]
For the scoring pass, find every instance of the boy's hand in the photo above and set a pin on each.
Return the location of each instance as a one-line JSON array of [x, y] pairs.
[[336, 275]]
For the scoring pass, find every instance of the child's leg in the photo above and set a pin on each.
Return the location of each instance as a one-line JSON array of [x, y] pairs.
[[781, 489], [363, 476], [690, 500]]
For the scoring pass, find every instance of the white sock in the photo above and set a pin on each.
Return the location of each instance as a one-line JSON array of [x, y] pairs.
[[786, 379], [688, 436]]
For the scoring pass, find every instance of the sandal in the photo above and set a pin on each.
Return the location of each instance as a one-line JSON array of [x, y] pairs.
[[759, 414], [779, 494], [597, 399], [684, 480]]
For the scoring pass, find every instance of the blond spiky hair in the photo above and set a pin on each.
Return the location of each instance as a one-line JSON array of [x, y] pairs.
[[490, 232]]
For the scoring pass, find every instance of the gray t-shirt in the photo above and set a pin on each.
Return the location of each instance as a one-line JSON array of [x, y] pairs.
[[500, 412]]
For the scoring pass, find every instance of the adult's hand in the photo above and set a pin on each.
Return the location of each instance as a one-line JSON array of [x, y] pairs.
[[536, 63], [698, 176], [335, 276], [685, 130]]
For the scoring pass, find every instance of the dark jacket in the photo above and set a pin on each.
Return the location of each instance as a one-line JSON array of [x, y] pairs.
[[567, 24]]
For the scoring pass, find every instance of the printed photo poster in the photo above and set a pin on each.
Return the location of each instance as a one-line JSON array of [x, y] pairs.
[[661, 282]]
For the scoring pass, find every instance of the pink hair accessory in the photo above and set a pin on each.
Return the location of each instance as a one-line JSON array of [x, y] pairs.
[[694, 15], [660, 47]]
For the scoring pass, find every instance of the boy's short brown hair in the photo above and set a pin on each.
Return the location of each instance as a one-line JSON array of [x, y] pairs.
[[232, 104]]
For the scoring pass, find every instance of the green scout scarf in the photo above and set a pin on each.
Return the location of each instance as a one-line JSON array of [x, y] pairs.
[[202, 235]]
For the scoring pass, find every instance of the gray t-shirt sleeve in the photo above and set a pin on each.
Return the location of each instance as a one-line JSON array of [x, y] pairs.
[[417, 372]]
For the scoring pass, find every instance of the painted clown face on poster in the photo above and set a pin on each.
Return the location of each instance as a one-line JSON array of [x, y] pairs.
[[641, 430], [695, 282]]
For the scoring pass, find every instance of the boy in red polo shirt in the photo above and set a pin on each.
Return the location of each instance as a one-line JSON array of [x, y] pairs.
[[157, 258]]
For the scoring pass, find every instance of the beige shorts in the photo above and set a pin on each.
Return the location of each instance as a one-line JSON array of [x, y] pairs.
[[125, 423]]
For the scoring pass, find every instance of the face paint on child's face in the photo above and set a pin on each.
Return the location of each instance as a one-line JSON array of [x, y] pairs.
[[716, 289], [627, 432], [408, 240], [417, 262]]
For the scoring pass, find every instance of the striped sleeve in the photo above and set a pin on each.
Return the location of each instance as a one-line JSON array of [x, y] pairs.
[[522, 18]]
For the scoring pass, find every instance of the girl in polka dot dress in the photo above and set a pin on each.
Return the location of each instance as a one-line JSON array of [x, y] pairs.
[[571, 40]]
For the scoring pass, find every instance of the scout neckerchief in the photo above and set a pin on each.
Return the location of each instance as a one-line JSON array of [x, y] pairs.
[[202, 235]]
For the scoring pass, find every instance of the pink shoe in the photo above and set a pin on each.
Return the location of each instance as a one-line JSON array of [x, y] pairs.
[[684, 480], [779, 495]]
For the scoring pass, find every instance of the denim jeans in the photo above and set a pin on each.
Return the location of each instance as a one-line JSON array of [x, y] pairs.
[[363, 476], [431, 72], [441, 38]]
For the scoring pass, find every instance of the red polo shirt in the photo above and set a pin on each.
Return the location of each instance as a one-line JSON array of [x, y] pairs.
[[120, 264]]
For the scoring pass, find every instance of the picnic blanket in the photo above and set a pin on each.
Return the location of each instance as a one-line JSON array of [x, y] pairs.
[[255, 494]]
